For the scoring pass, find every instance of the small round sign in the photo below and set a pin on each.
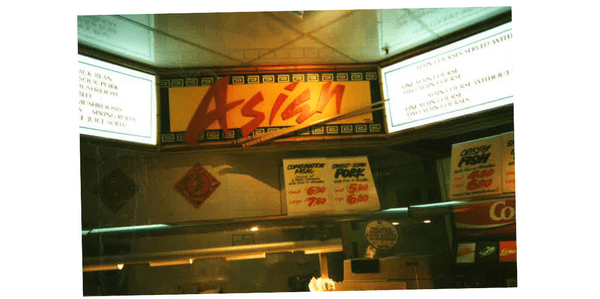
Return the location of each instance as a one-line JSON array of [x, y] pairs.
[[381, 234]]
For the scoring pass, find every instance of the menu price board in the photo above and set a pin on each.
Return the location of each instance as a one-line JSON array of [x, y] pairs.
[[508, 162], [306, 186], [352, 184], [476, 168], [329, 185], [116, 102], [467, 76], [483, 167]]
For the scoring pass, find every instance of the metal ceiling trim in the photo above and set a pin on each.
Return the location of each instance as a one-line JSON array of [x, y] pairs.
[[471, 30], [189, 256]]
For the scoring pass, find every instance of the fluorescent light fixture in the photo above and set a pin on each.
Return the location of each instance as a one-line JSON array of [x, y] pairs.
[[171, 263], [254, 228], [246, 257], [426, 221], [395, 223]]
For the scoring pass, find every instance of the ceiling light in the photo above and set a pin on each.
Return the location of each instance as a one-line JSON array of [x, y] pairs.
[[426, 221], [395, 223], [255, 228]]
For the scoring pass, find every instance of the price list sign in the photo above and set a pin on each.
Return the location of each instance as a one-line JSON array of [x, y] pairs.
[[329, 185], [352, 185], [476, 168], [306, 186]]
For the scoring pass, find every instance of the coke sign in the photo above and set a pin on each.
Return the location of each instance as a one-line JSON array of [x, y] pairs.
[[490, 218], [508, 251]]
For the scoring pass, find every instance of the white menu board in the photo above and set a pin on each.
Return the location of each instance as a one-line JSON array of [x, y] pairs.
[[116, 102], [508, 162], [329, 185], [306, 187], [476, 168], [471, 75], [352, 185]]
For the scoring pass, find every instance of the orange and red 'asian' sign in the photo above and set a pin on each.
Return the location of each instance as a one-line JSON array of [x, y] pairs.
[[229, 109]]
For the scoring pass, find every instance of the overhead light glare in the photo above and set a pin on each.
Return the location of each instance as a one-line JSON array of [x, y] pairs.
[[324, 250], [246, 257], [171, 263], [254, 228], [426, 221], [91, 268], [395, 223]]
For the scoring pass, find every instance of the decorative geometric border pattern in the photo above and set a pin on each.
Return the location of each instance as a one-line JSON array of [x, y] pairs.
[[173, 138], [219, 135], [273, 78]]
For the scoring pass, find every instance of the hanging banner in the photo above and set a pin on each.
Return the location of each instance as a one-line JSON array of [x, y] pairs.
[[476, 168], [223, 109], [508, 162], [352, 185], [306, 186]]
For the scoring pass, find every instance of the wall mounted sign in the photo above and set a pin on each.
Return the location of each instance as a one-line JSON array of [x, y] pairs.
[[307, 189], [116, 102], [508, 251], [486, 252], [381, 234], [489, 218], [115, 189], [352, 185], [483, 167], [508, 162], [465, 253], [476, 168], [222, 109], [329, 185], [197, 185], [471, 75]]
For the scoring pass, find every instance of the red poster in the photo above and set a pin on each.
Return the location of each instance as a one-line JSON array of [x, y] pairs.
[[489, 218], [197, 185], [508, 251]]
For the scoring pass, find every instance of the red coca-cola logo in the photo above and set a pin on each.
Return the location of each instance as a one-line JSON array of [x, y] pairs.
[[508, 251], [486, 218]]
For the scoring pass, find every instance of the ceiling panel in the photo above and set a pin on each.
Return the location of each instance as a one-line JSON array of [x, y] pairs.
[[198, 40], [360, 43]]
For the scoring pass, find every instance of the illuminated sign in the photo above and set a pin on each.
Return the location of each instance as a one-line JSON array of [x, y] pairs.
[[471, 75], [208, 109], [116, 102]]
